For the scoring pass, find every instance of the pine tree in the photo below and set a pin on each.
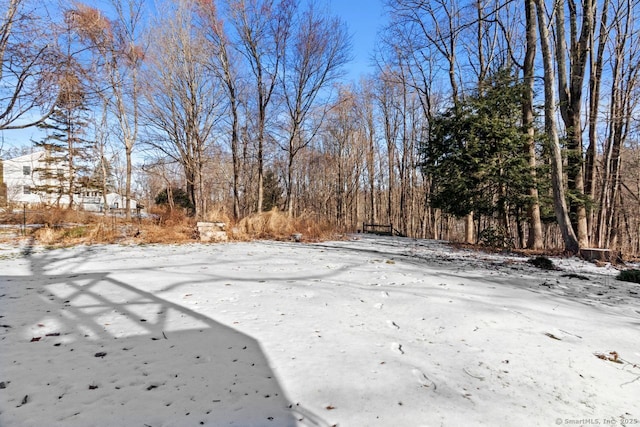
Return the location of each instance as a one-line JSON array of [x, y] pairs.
[[272, 191], [476, 153], [66, 149]]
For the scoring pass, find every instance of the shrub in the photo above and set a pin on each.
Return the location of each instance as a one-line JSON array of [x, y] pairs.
[[496, 237], [179, 196], [629, 276], [543, 263]]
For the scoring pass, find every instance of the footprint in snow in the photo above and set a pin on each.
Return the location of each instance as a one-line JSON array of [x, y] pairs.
[[423, 380], [397, 348]]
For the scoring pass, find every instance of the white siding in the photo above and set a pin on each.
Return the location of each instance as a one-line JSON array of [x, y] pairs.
[[17, 181], [21, 174]]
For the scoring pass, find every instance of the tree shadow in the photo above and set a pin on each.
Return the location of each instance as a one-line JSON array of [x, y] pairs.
[[599, 292], [83, 349]]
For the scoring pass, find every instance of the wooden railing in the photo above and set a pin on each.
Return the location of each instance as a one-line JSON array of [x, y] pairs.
[[381, 229]]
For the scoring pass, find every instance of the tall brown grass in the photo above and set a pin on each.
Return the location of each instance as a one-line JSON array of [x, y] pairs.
[[63, 227], [280, 226], [48, 216], [76, 234]]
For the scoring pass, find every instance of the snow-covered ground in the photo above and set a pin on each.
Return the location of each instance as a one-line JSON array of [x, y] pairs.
[[373, 331]]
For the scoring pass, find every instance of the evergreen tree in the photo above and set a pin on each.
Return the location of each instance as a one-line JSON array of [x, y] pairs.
[[272, 191], [66, 149], [174, 197], [476, 153], [101, 174]]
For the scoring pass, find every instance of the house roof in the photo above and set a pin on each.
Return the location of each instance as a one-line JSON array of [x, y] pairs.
[[36, 155]]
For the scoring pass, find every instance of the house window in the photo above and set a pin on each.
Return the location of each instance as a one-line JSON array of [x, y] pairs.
[[26, 171], [26, 190]]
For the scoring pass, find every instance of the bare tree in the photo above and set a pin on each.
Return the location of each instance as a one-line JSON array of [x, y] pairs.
[[416, 59], [182, 98], [225, 65], [367, 119], [387, 95], [344, 147], [103, 166], [118, 46], [440, 24], [623, 102], [559, 201], [596, 56], [570, 88], [314, 58], [28, 64], [535, 240], [262, 27]]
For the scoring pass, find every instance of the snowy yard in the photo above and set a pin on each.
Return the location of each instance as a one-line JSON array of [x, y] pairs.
[[374, 331]]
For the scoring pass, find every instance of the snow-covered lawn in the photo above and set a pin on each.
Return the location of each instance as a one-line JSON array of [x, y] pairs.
[[373, 331]]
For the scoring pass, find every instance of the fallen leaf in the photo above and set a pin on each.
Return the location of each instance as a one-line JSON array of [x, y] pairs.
[[612, 357]]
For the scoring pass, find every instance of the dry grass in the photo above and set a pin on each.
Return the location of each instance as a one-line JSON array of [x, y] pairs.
[[177, 233], [62, 227], [168, 218], [48, 216], [77, 234], [114, 232], [218, 214], [279, 226]]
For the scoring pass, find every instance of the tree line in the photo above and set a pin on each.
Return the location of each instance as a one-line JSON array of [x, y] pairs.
[[505, 123], [536, 127]]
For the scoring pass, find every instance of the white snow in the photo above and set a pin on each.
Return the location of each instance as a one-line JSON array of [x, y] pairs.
[[373, 331]]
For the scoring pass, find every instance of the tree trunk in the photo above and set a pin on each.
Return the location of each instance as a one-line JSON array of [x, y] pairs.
[[535, 240], [234, 156], [559, 201], [289, 199], [571, 103], [260, 168], [469, 230], [595, 81], [128, 150]]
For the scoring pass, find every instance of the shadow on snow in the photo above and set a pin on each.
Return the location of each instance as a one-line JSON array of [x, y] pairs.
[[95, 345]]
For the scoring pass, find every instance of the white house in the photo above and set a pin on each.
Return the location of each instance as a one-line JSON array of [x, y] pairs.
[[22, 175], [91, 200]]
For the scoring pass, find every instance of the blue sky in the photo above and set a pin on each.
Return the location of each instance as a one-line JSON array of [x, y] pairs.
[[364, 18]]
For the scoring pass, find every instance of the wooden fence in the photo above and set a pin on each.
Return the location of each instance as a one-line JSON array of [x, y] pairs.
[[381, 229]]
